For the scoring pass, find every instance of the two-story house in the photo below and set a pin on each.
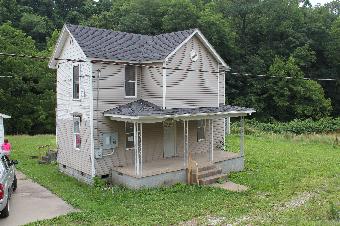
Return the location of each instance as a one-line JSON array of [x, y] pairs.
[[142, 110]]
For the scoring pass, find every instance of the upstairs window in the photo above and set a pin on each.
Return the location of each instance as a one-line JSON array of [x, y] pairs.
[[76, 89], [129, 134], [130, 81], [200, 130], [76, 131]]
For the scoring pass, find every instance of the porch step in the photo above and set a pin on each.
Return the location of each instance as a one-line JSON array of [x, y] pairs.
[[206, 168], [211, 179], [209, 173]]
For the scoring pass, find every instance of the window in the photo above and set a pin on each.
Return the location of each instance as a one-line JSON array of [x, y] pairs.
[[76, 88], [130, 81], [129, 133], [76, 131], [200, 130]]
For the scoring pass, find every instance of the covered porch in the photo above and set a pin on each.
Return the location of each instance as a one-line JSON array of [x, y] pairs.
[[168, 165], [140, 113]]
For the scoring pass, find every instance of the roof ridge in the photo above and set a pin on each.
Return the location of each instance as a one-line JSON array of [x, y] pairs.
[[167, 33]]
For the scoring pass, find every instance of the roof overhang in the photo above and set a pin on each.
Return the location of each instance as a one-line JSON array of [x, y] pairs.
[[4, 116], [206, 43], [179, 117]]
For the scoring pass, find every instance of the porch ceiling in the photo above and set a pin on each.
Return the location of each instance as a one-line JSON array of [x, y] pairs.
[[147, 112]]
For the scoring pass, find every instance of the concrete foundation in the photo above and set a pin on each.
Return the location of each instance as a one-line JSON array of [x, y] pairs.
[[170, 178], [76, 174]]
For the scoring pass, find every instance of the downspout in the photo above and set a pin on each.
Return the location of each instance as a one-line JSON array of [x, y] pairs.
[[164, 84], [93, 171], [218, 84]]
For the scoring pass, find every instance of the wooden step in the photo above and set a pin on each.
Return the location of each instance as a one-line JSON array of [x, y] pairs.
[[211, 179], [208, 173], [207, 167]]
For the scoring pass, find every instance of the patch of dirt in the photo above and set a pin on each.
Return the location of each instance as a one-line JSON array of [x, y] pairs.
[[231, 186], [296, 202]]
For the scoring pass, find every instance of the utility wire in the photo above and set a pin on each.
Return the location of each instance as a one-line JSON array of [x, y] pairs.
[[112, 62], [268, 76]]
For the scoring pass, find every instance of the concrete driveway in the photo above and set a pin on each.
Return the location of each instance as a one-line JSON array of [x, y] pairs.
[[32, 202]]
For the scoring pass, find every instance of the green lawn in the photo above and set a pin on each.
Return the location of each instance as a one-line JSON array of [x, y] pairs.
[[292, 180]]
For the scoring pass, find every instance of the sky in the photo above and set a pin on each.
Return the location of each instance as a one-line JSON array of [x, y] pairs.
[[314, 2]]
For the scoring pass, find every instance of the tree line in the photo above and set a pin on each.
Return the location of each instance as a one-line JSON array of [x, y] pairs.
[[281, 38]]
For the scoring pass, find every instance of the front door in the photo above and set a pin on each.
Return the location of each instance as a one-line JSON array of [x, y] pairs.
[[169, 140]]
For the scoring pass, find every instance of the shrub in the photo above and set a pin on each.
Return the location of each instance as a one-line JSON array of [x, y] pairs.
[[296, 126]]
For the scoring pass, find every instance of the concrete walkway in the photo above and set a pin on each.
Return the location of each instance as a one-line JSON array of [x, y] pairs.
[[32, 202]]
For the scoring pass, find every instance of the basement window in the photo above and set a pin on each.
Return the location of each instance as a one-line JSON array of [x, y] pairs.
[[129, 134], [76, 87], [76, 132], [200, 130], [130, 81]]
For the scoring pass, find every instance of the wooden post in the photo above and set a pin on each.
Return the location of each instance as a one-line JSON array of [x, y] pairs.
[[135, 144], [141, 148], [211, 156], [186, 142], [242, 136]]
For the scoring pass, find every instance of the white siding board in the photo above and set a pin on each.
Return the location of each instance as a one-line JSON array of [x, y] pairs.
[[67, 155], [192, 89]]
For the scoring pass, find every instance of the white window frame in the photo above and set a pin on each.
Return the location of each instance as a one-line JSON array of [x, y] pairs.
[[136, 81], [128, 134], [204, 130], [76, 119], [73, 66]]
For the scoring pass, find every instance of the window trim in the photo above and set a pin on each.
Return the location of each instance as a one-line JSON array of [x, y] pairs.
[[136, 82], [204, 130], [75, 134], [126, 136], [73, 66]]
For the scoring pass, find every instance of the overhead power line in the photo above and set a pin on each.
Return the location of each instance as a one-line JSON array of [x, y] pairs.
[[113, 62], [269, 76]]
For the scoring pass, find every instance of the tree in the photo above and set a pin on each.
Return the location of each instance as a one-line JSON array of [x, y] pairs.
[[29, 95]]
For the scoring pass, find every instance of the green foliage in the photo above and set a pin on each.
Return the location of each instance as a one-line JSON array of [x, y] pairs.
[[277, 171], [297, 126], [281, 38], [99, 183], [29, 95], [334, 211]]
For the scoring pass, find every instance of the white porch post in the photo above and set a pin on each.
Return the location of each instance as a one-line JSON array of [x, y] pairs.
[[135, 141], [211, 155], [141, 149], [138, 147], [186, 142], [227, 126], [242, 136]]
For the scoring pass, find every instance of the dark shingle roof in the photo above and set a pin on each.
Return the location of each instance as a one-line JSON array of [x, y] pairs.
[[146, 108], [114, 45]]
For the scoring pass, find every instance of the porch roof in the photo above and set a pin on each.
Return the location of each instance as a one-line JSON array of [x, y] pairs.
[[145, 111]]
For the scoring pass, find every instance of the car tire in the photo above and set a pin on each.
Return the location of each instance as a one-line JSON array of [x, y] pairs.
[[5, 212], [15, 183]]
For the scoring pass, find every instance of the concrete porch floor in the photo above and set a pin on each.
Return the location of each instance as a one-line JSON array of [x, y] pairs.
[[174, 164]]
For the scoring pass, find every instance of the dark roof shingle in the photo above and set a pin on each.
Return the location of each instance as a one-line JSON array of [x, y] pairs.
[[146, 108], [115, 45]]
